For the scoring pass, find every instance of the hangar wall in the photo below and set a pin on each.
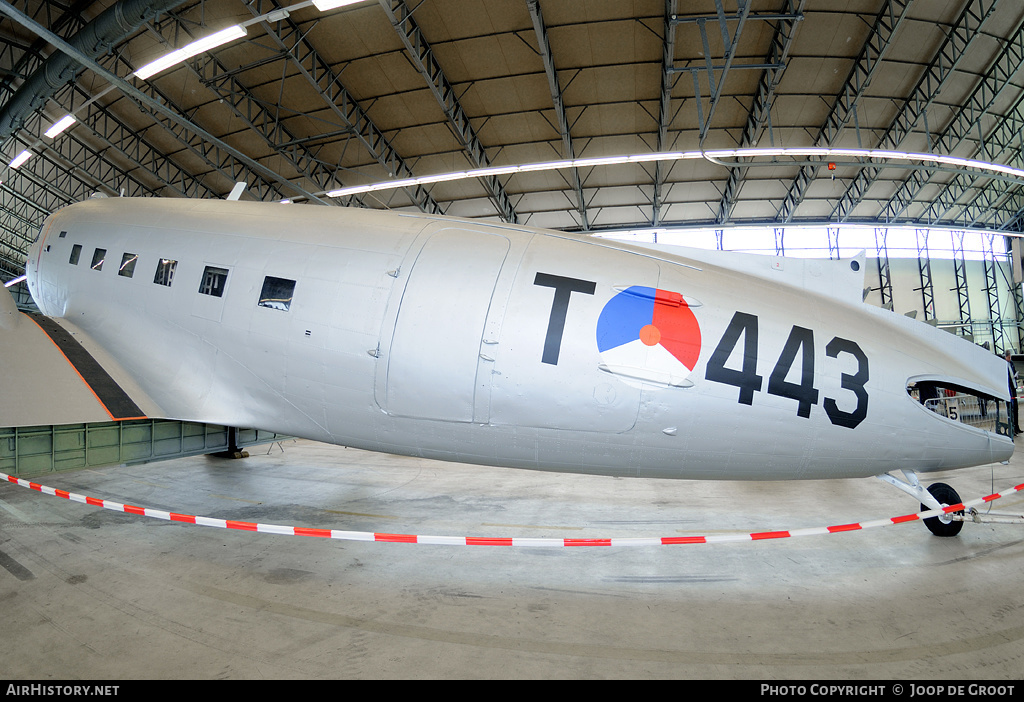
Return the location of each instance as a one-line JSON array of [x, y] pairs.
[[971, 281], [30, 451], [984, 326]]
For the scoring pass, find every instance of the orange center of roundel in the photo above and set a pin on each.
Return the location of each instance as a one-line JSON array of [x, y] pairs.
[[650, 335]]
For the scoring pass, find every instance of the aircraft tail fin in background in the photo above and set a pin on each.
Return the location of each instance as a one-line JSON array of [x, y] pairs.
[[842, 280]]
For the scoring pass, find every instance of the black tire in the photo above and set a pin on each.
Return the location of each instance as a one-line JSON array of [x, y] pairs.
[[946, 496]]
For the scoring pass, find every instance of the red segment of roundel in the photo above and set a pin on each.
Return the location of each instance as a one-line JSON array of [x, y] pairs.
[[680, 333]]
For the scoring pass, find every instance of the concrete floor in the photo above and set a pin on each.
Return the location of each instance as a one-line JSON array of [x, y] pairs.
[[93, 594]]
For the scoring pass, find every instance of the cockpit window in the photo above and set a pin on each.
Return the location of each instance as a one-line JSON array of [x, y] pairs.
[[98, 256], [165, 272], [277, 293], [76, 252]]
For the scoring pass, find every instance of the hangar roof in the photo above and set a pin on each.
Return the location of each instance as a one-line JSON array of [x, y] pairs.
[[310, 101]]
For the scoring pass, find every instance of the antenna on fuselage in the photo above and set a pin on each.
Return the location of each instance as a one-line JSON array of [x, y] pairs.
[[236, 192]]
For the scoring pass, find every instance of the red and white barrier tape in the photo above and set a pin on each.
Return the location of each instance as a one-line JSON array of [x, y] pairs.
[[493, 540]]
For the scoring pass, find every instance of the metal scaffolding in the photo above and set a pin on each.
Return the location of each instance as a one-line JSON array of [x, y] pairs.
[[924, 268], [995, 311], [960, 276], [884, 275]]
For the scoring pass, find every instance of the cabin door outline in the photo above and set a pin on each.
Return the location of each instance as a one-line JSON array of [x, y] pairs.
[[433, 363]]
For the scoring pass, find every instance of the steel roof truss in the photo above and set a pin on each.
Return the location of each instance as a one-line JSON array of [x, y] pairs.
[[967, 120], [961, 35], [293, 43], [887, 22], [668, 79], [760, 110], [544, 45], [423, 58]]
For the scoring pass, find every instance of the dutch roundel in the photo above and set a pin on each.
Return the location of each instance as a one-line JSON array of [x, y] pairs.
[[649, 335]]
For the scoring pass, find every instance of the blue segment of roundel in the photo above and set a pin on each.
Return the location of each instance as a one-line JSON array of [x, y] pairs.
[[624, 316]]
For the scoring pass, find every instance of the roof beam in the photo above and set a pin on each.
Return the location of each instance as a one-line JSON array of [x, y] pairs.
[[961, 35], [78, 168], [423, 58], [134, 147], [541, 30], [221, 160], [730, 54], [203, 140], [568, 152], [110, 28], [142, 171], [1002, 144], [967, 123], [266, 124], [20, 218], [67, 24], [668, 80], [292, 41], [760, 110], [787, 17], [863, 70], [38, 182]]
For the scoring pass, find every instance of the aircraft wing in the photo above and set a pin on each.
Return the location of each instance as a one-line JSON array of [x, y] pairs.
[[52, 374]]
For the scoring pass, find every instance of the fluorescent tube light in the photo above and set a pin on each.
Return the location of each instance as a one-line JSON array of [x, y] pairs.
[[325, 5], [20, 159], [60, 126], [12, 283], [189, 50]]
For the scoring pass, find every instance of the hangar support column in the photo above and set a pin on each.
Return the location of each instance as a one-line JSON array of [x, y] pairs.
[[924, 268], [884, 274], [960, 274]]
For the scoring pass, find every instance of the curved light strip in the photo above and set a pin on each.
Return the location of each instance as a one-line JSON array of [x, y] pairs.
[[710, 155]]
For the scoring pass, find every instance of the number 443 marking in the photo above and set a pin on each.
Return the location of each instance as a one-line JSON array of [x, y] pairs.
[[800, 341]]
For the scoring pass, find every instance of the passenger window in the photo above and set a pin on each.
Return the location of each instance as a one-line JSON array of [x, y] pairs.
[[76, 252], [277, 293], [165, 272], [128, 262], [98, 257], [213, 281]]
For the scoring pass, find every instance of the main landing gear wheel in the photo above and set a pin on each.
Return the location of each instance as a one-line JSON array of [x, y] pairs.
[[943, 525]]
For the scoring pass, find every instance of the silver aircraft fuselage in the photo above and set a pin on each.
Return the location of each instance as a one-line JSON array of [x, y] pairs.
[[504, 345]]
